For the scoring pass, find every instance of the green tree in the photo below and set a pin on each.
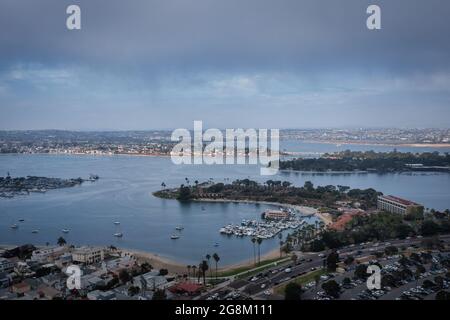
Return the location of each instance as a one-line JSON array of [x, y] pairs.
[[254, 249], [133, 290], [332, 261], [208, 258], [61, 241], [184, 193], [331, 288], [124, 276], [429, 228], [442, 295], [259, 241], [216, 259], [293, 291], [361, 271], [203, 268], [159, 295]]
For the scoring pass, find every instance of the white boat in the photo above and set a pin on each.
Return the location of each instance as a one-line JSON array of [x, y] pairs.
[[179, 228], [65, 230], [116, 222], [174, 237], [14, 226], [35, 231], [118, 235]]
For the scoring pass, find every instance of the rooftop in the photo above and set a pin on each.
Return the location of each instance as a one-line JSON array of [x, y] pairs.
[[400, 200]]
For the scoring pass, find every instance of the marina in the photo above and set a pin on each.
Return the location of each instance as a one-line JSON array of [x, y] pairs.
[[268, 228]]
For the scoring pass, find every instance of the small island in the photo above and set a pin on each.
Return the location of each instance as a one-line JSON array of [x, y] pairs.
[[11, 187], [279, 192], [370, 161]]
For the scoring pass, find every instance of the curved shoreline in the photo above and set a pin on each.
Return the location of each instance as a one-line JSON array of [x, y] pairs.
[[306, 211], [161, 262]]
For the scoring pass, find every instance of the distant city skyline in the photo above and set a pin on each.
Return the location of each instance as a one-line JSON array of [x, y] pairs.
[[288, 64]]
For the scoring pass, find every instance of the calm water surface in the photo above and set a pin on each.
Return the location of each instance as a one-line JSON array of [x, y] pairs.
[[123, 194]]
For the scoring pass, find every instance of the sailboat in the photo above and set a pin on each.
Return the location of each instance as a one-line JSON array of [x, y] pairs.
[[14, 226], [174, 237], [118, 235], [65, 230], [179, 228]]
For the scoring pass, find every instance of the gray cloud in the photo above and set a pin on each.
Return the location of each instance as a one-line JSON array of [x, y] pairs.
[[154, 57]]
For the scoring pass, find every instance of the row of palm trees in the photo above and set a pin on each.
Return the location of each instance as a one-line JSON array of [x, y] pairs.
[[301, 236], [296, 239], [203, 267]]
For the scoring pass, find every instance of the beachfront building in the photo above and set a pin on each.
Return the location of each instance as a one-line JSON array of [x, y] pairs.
[[48, 253], [150, 281], [398, 205], [87, 255], [276, 215], [6, 265]]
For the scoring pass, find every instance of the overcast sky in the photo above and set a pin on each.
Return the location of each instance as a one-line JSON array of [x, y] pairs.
[[152, 64]]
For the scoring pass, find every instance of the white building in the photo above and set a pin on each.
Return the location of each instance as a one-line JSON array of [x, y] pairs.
[[6, 265], [87, 255], [398, 205], [48, 253], [150, 281]]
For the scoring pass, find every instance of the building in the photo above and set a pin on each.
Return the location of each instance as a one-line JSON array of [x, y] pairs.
[[6, 265], [150, 281], [87, 255], [397, 205], [20, 288], [276, 215], [48, 253]]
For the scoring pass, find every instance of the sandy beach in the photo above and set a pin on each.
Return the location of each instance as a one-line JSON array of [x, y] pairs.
[[159, 262], [303, 209]]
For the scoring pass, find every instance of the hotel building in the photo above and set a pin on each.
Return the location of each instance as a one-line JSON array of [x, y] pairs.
[[398, 205]]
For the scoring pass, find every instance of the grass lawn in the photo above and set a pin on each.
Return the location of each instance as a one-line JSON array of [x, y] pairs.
[[302, 280]]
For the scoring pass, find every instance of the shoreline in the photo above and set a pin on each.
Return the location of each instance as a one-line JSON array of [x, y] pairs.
[[158, 261], [304, 210], [386, 144]]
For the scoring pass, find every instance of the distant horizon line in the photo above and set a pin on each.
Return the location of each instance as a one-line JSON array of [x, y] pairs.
[[284, 129]]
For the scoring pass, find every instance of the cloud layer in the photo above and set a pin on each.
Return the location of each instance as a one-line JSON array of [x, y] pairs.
[[252, 63]]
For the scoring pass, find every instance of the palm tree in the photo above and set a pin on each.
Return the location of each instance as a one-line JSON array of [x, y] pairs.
[[254, 250], [281, 248], [61, 241], [208, 257], [216, 259], [259, 241], [189, 270], [203, 268], [163, 185], [194, 267]]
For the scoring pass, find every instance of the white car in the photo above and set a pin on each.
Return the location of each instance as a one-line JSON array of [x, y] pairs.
[[287, 270]]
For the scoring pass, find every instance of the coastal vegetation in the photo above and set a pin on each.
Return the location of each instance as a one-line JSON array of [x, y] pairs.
[[273, 191], [370, 161], [375, 227], [10, 187]]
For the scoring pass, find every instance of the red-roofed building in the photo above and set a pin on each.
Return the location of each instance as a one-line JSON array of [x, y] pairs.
[[398, 205], [345, 218], [186, 288]]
